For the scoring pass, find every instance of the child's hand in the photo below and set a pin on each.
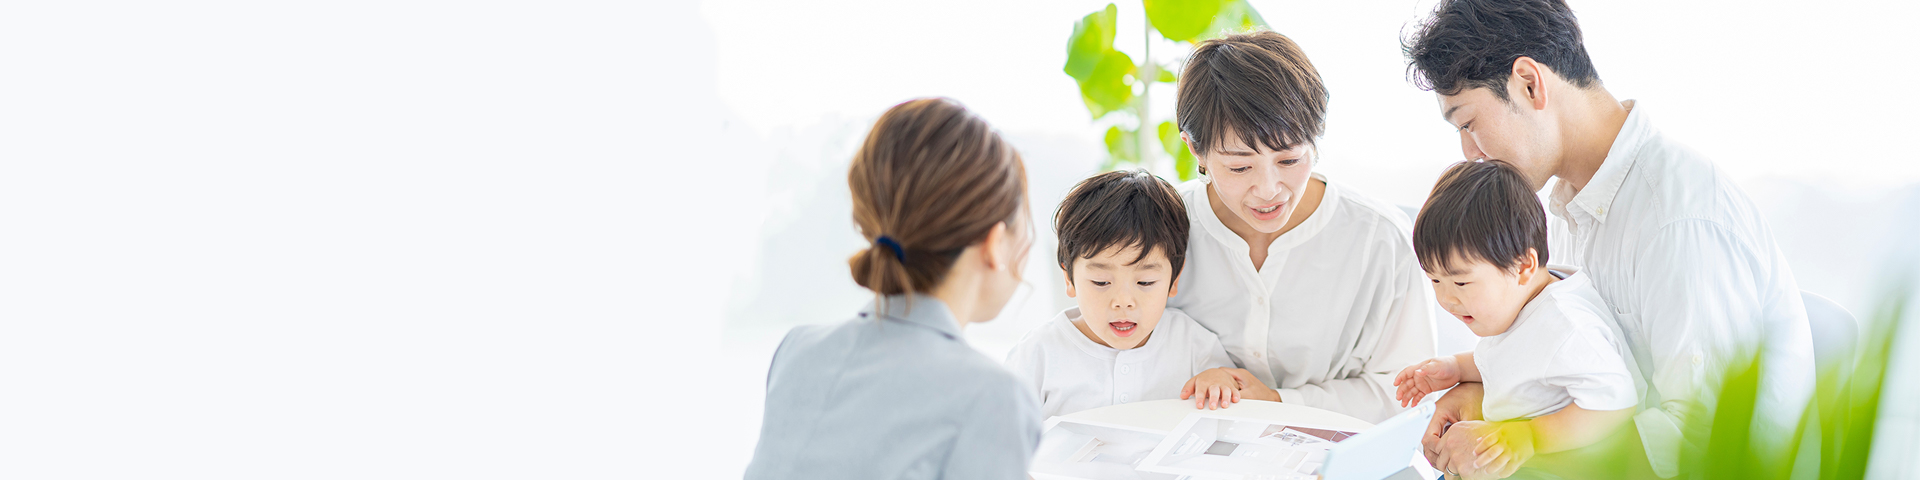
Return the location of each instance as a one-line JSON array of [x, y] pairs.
[[1212, 389], [1433, 375]]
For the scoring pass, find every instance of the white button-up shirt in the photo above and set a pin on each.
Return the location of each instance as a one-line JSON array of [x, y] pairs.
[[1071, 373], [1339, 307], [1694, 278]]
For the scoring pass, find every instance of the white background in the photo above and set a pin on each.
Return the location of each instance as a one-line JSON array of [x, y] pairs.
[[559, 239]]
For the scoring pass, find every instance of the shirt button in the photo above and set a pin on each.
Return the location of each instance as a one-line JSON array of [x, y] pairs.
[[1126, 398], [1125, 369], [1697, 360], [1259, 354]]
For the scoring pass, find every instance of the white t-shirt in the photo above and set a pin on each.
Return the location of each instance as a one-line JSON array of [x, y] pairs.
[[1339, 307], [1561, 350], [1072, 373]]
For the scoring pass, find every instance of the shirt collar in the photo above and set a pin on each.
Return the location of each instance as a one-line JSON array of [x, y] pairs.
[[1597, 198], [1070, 315], [920, 309], [1574, 280]]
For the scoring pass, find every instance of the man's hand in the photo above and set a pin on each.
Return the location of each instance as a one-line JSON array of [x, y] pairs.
[[1433, 375], [1456, 448], [1502, 452], [1212, 389], [1458, 405]]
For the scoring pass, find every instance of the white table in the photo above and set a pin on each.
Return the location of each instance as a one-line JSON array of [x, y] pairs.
[[1164, 415]]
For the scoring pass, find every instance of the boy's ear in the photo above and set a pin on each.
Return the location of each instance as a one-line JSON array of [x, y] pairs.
[[1529, 265], [1069, 276], [1173, 288]]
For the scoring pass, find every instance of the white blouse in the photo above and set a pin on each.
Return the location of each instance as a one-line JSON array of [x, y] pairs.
[[1339, 307]]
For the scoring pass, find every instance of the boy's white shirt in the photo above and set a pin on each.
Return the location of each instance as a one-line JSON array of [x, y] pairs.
[[1338, 308], [1072, 373], [1695, 280], [1563, 349]]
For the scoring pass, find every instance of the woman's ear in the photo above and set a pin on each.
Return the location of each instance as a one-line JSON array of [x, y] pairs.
[[997, 248], [1199, 160]]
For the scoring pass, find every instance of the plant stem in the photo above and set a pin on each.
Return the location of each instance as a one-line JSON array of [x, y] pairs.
[[1146, 87]]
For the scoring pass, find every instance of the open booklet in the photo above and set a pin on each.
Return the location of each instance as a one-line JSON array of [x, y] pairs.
[[1203, 446]]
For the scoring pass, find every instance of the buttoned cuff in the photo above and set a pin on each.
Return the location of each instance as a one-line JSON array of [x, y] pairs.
[[1661, 436], [1289, 395]]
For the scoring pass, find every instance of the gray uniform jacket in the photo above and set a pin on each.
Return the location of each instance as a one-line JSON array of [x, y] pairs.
[[893, 396]]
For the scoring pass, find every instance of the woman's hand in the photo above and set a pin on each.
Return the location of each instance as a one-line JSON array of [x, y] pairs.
[[1212, 389], [1250, 386], [1433, 375]]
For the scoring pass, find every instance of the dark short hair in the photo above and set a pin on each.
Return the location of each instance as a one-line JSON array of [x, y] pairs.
[[1122, 209], [1481, 211], [1473, 43], [1258, 84]]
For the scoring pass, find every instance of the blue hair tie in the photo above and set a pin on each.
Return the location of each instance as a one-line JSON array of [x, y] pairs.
[[898, 253]]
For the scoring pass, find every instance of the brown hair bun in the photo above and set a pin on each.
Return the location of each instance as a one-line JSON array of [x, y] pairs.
[[932, 178]]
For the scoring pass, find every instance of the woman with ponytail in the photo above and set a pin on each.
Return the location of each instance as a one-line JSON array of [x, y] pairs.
[[896, 392]]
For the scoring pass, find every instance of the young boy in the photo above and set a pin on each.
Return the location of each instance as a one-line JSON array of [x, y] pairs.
[[1550, 364], [1123, 240]]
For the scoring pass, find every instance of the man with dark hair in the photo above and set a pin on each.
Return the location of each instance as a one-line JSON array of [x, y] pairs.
[[1679, 252]]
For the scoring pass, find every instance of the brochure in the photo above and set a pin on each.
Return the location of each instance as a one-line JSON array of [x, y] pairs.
[[1224, 447], [1081, 450]]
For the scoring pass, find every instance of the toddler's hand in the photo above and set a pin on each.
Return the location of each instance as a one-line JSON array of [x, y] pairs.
[[1420, 379], [1212, 389]]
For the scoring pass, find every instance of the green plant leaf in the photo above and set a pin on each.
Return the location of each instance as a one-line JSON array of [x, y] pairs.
[[1730, 451], [1865, 384], [1121, 147], [1091, 40], [1166, 75], [1170, 138], [1181, 20], [1236, 16], [1106, 89], [1183, 161]]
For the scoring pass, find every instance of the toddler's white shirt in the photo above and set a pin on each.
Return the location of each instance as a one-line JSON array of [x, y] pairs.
[[1072, 373], [1560, 351]]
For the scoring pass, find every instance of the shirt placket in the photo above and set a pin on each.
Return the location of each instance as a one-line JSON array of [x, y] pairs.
[[1261, 316]]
